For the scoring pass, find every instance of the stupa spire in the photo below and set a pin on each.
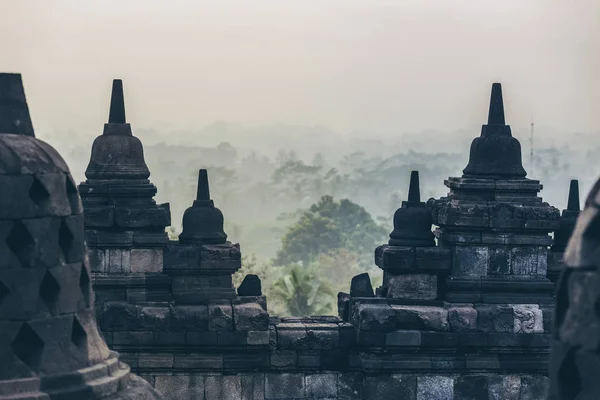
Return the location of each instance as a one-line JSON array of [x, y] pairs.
[[414, 193], [203, 193], [14, 112], [117, 104], [496, 113], [573, 203]]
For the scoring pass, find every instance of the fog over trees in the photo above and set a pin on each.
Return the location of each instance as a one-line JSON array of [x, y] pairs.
[[312, 205]]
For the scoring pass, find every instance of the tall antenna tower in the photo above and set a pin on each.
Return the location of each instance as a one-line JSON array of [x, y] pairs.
[[531, 147]]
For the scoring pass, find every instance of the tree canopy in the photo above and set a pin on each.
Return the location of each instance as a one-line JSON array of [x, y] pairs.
[[329, 225]]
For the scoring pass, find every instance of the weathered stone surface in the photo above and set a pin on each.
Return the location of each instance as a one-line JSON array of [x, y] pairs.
[[284, 386], [506, 387], [412, 286], [250, 286], [495, 318], [258, 338], [223, 387], [435, 388], [250, 317], [220, 317], [373, 317], [391, 387], [421, 317], [146, 260], [462, 319], [528, 318], [180, 387], [361, 286], [344, 306], [471, 261], [321, 386]]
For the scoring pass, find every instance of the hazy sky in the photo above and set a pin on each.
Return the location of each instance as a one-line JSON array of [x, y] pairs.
[[372, 65]]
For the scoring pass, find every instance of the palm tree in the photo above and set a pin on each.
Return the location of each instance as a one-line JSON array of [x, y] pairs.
[[301, 292]]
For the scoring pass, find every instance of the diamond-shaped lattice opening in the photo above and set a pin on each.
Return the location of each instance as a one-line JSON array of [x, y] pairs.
[[49, 290], [3, 292], [84, 284], [38, 193], [21, 243], [78, 334], [28, 347], [72, 193], [65, 239]]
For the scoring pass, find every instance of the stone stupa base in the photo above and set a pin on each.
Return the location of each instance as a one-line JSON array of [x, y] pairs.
[[107, 380]]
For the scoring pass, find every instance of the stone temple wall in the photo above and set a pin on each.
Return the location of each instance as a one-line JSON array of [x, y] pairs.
[[468, 317]]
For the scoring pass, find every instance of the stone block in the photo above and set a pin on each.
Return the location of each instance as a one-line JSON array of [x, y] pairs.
[[218, 387], [260, 300], [292, 336], [528, 318], [500, 260], [471, 261], [321, 386], [133, 338], [334, 360], [462, 319], [347, 335], [395, 258], [99, 216], [373, 317], [155, 360], [284, 358], [284, 386], [162, 338], [343, 306], [257, 338], [421, 317], [469, 387], [391, 387], [244, 361], [309, 359], [371, 338], [232, 338], [118, 261], [323, 336], [527, 260], [253, 386], [533, 387], [403, 338], [495, 318], [155, 318], [202, 361], [114, 239], [220, 317], [180, 387], [412, 286], [350, 386], [120, 316], [192, 317], [98, 260], [360, 286], [200, 338], [505, 387], [250, 286], [433, 259], [146, 260], [250, 317], [435, 388]]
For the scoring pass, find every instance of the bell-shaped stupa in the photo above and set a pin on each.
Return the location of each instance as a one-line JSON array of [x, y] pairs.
[[50, 346]]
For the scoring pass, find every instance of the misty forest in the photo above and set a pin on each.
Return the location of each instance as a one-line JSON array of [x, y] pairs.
[[309, 211]]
